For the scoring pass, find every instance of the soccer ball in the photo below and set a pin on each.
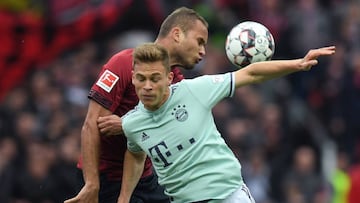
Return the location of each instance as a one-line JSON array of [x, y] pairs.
[[249, 42]]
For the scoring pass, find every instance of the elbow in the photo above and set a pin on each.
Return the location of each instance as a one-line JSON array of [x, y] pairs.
[[259, 80], [89, 129], [85, 128], [256, 79]]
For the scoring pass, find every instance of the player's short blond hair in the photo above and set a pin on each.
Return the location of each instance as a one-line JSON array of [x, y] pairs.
[[151, 52]]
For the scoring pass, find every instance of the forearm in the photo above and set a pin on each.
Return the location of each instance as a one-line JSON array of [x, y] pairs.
[[133, 169], [90, 147], [262, 71]]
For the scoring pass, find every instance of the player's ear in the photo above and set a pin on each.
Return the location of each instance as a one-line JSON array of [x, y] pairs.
[[170, 78], [132, 76], [176, 34]]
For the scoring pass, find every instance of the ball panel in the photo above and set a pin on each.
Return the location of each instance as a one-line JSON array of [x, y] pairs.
[[235, 46]]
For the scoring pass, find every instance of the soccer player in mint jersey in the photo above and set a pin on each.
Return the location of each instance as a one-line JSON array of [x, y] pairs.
[[174, 126], [184, 33]]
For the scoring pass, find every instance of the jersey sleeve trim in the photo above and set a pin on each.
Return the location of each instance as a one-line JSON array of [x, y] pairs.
[[94, 95], [232, 85]]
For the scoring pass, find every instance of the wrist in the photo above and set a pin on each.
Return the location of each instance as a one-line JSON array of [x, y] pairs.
[[123, 199], [95, 186]]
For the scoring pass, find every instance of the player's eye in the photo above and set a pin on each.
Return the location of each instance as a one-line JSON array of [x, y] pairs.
[[155, 79], [201, 42], [140, 78]]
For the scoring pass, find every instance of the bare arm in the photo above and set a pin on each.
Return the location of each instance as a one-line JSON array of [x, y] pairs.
[[90, 150], [262, 71], [133, 168], [90, 143], [110, 125]]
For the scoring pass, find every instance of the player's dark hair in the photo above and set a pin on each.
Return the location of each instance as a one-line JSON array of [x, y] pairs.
[[151, 52], [184, 18]]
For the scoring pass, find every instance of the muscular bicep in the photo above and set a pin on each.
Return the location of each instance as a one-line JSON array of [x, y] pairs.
[[244, 77], [98, 109], [94, 111]]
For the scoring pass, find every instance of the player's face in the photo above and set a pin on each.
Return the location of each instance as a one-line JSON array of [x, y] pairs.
[[191, 47], [151, 83]]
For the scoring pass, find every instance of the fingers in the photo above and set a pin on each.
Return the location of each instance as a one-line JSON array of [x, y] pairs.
[[306, 65], [103, 129], [330, 48], [104, 125], [100, 122], [309, 63], [313, 54], [72, 200], [109, 125], [110, 118], [310, 58], [326, 50], [102, 119]]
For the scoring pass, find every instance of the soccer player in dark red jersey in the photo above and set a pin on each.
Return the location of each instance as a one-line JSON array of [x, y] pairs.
[[184, 33]]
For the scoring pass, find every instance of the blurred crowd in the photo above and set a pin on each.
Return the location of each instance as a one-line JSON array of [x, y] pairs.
[[297, 137]]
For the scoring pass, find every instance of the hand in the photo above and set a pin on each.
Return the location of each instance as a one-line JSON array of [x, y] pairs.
[[86, 195], [122, 199], [110, 125], [310, 58]]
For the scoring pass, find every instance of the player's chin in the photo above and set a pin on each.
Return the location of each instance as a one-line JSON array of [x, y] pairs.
[[190, 66], [150, 105], [146, 98], [146, 102]]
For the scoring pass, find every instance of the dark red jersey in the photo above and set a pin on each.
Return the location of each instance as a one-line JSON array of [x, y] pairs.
[[115, 92]]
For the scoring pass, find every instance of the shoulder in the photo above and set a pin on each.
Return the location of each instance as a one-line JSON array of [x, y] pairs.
[[206, 83], [132, 118], [124, 54], [133, 115], [215, 79], [192, 81], [121, 60]]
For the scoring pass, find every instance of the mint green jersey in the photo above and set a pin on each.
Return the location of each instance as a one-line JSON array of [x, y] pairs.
[[189, 155]]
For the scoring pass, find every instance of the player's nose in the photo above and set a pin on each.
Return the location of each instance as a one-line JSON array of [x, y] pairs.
[[148, 85], [202, 51]]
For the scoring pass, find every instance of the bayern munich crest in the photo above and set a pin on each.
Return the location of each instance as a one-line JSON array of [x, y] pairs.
[[180, 113]]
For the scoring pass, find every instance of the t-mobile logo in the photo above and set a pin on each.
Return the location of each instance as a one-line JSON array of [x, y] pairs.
[[157, 152], [161, 152]]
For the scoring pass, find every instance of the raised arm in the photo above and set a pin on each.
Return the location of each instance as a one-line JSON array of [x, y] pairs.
[[262, 71], [133, 168]]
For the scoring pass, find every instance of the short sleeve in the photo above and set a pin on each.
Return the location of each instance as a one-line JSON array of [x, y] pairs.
[[210, 89], [113, 81], [133, 147]]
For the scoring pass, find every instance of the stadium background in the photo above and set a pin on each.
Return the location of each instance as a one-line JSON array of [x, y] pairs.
[[297, 137]]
